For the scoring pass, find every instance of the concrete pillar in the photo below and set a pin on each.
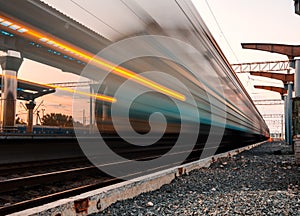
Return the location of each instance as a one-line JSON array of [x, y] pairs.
[[10, 64], [30, 106], [102, 106], [297, 78], [106, 111], [286, 118], [282, 126], [290, 113]]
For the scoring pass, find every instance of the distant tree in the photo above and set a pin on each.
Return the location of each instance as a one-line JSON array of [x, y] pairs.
[[57, 119], [20, 121], [77, 124]]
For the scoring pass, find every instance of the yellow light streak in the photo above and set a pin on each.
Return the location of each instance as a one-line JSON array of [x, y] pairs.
[[96, 96], [76, 52]]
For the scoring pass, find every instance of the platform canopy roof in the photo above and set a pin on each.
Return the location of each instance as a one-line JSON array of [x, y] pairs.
[[29, 91]]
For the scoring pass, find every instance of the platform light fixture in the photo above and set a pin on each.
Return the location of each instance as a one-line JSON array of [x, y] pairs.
[[14, 27], [6, 23], [22, 30]]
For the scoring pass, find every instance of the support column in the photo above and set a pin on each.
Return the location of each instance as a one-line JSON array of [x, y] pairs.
[[10, 65], [286, 118], [102, 106], [296, 146], [297, 78], [102, 109], [289, 114], [282, 126], [30, 106], [106, 112]]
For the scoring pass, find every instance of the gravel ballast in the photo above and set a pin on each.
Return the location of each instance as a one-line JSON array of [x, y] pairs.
[[261, 181]]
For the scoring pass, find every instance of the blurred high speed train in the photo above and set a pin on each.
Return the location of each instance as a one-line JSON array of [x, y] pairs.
[[157, 59], [177, 42]]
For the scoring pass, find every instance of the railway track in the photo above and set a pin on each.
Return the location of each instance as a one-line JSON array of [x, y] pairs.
[[15, 183], [27, 184], [26, 191], [35, 166], [90, 176], [18, 206], [40, 200]]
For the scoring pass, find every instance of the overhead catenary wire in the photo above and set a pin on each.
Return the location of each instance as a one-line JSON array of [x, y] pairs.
[[225, 38], [211, 11], [96, 17]]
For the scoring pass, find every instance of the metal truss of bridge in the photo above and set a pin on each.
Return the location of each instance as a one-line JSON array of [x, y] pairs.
[[267, 66], [268, 102], [273, 116]]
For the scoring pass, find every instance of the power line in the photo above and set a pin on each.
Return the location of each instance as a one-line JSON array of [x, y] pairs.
[[93, 15], [221, 31], [129, 8]]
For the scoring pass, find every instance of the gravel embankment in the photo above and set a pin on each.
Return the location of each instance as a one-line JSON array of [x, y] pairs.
[[262, 181]]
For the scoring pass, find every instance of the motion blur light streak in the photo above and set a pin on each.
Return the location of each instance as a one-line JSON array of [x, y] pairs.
[[69, 49], [146, 82], [96, 96]]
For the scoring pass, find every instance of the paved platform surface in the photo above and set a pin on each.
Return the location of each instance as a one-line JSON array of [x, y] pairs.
[[261, 181]]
